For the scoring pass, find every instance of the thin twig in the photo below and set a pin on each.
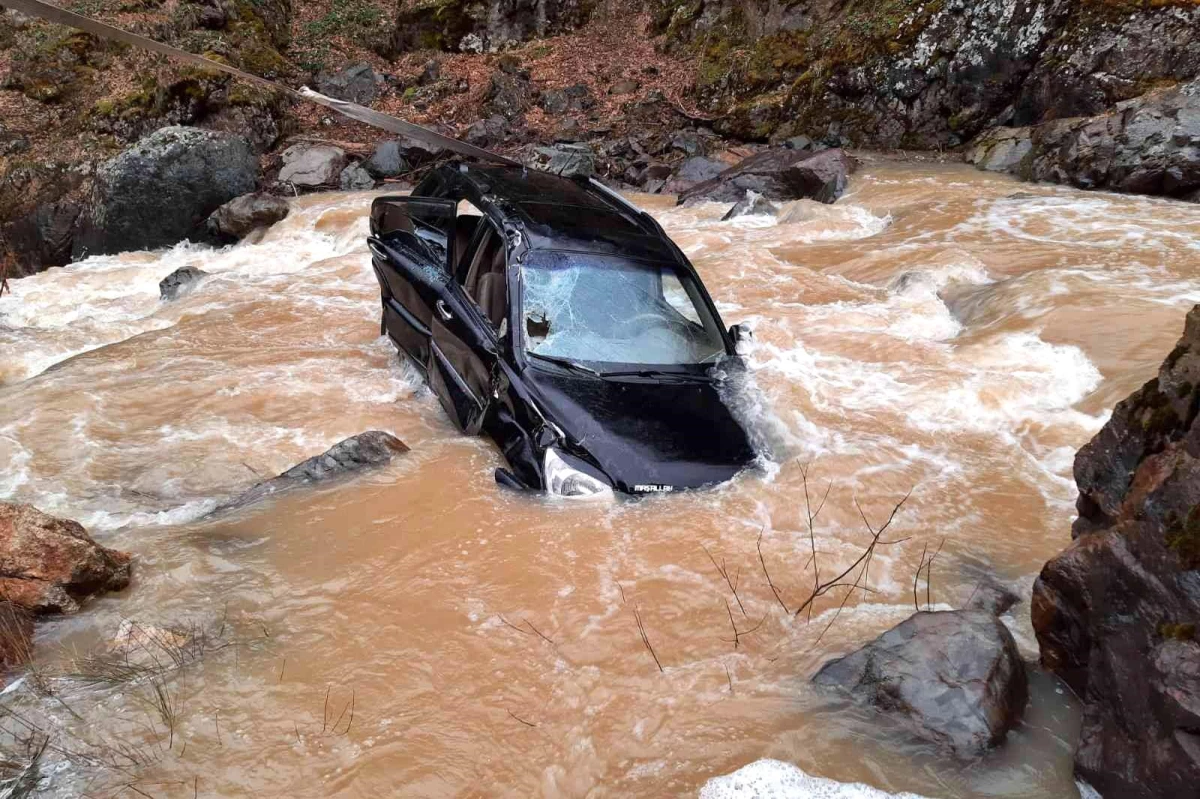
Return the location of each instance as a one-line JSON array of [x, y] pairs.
[[763, 561], [724, 572], [645, 639], [507, 623], [523, 721], [539, 632]]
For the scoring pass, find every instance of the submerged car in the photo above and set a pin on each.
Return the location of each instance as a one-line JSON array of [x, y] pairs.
[[559, 319]]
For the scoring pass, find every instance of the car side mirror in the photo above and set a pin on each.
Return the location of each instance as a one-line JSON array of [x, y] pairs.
[[741, 335]]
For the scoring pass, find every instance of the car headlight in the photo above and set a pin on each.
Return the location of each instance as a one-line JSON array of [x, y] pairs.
[[563, 480]]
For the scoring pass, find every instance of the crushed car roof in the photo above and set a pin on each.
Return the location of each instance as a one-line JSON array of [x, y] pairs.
[[561, 213]]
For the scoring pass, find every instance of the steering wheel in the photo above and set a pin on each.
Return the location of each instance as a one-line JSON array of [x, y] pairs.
[[643, 320]]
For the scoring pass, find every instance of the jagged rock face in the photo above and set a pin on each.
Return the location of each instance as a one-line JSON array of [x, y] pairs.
[[1116, 613], [473, 26], [161, 190], [922, 74], [50, 565], [1149, 145], [953, 677]]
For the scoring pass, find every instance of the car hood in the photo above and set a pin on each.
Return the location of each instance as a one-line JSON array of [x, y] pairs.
[[646, 435]]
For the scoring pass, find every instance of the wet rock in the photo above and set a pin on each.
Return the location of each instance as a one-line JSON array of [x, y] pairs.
[[1149, 145], [47, 235], [349, 456], [355, 178], [161, 190], [179, 282], [693, 172], [387, 160], [992, 597], [243, 215], [751, 205], [487, 132], [952, 677], [568, 160], [311, 166], [51, 565], [1116, 612], [357, 83], [780, 174]]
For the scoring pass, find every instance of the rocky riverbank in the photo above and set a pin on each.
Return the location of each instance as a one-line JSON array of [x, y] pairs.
[[1116, 613], [651, 95]]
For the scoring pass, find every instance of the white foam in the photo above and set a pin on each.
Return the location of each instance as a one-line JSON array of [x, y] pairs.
[[774, 779]]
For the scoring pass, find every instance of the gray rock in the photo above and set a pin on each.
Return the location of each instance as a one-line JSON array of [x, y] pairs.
[[243, 215], [357, 83], [952, 677], [352, 455], [386, 161], [46, 236], [509, 95], [752, 205], [355, 178], [161, 190], [557, 102], [312, 166], [487, 132], [692, 172], [431, 74], [567, 160], [1147, 145], [780, 174], [180, 282], [799, 143], [690, 142], [992, 597]]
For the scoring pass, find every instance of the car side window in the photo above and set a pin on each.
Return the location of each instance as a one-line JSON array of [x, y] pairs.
[[485, 277]]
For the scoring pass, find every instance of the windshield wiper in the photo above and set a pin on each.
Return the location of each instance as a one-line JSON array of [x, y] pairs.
[[659, 373], [563, 362]]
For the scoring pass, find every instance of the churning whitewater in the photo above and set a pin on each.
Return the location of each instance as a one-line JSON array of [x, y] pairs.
[[936, 331]]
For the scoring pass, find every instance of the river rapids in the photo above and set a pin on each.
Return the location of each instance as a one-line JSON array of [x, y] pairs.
[[421, 632]]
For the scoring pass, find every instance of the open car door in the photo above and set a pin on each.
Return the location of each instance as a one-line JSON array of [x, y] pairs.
[[424, 310]]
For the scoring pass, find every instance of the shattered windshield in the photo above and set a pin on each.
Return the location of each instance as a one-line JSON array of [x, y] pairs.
[[600, 309]]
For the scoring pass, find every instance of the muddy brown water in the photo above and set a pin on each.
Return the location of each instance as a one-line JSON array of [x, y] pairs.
[[420, 632]]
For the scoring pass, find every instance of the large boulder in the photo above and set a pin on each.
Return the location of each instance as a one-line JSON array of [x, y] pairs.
[[693, 171], [161, 190], [780, 174], [953, 677], [312, 166], [51, 565], [355, 454], [1148, 145], [241, 216], [1116, 612]]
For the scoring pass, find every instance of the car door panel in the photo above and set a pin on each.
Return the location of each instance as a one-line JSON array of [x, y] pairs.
[[463, 355]]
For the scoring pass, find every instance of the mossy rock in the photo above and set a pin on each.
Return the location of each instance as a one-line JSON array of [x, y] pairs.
[[1184, 540]]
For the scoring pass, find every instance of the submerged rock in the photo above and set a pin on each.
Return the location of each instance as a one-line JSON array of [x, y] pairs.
[[179, 282], [1117, 613], [753, 204], [355, 454], [953, 677], [240, 217], [780, 174], [161, 190], [51, 565], [312, 166]]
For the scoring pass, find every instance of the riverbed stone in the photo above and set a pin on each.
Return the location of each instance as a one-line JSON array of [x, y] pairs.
[[368, 450], [753, 204], [51, 565], [692, 172], [952, 677], [387, 160], [355, 178], [243, 215], [179, 282], [779, 174]]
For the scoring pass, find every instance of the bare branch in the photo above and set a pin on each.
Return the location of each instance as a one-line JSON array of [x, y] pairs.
[[724, 572], [523, 721], [645, 639], [763, 561]]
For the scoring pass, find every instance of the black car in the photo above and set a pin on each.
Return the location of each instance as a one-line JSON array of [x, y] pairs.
[[558, 318]]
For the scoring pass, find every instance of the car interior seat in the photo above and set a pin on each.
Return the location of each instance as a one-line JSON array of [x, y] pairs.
[[492, 291]]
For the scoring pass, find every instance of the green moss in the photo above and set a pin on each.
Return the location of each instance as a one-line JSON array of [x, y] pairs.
[[1177, 632], [1184, 539]]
